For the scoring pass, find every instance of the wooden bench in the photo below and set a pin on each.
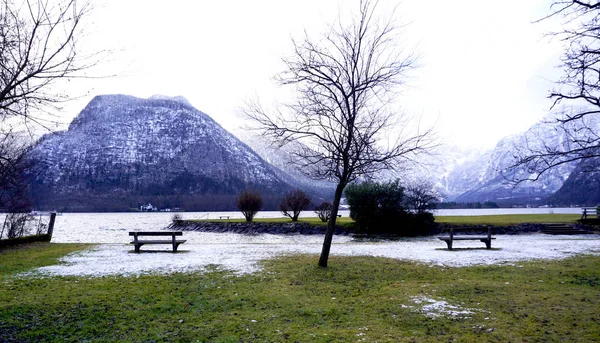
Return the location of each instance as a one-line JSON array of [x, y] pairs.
[[137, 242], [223, 217], [586, 211], [451, 237]]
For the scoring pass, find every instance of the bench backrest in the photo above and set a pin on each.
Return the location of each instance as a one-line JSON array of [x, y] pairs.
[[452, 229], [156, 233]]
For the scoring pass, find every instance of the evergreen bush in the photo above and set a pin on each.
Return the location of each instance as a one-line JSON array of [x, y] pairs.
[[377, 208]]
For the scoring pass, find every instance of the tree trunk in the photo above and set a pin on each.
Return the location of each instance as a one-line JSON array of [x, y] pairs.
[[331, 225]]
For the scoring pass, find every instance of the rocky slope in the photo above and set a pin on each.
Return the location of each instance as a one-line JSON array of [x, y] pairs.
[[121, 151], [280, 158], [581, 188]]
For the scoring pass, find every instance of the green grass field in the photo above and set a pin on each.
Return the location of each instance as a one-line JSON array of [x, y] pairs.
[[343, 221], [356, 299], [458, 220], [508, 219]]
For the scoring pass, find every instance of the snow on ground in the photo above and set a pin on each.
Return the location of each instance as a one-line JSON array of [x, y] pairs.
[[241, 253], [435, 308]]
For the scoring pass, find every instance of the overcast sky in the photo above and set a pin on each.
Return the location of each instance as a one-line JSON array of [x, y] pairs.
[[485, 72]]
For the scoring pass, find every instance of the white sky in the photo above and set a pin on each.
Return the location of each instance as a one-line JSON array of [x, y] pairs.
[[486, 68]]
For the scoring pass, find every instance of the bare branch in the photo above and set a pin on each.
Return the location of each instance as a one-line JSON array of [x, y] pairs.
[[38, 44], [577, 94]]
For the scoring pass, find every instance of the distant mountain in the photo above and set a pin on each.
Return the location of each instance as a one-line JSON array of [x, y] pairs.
[[122, 151], [581, 188], [487, 184], [451, 169], [279, 157]]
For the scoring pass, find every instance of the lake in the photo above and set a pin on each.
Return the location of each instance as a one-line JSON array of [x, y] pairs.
[[113, 227]]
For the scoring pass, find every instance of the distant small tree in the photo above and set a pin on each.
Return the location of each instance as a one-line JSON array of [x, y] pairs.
[[294, 203], [177, 219], [323, 211], [420, 197], [249, 203]]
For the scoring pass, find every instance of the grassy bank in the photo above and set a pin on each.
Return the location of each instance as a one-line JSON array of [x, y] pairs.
[[508, 219], [342, 221], [24, 257], [500, 220], [292, 300]]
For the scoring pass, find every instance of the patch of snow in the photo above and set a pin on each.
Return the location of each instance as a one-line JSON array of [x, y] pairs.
[[242, 253], [439, 308]]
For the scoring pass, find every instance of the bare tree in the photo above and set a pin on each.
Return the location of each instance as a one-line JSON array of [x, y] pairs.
[[14, 165], [293, 203], [345, 81], [577, 94], [249, 203], [38, 40], [323, 211], [420, 197]]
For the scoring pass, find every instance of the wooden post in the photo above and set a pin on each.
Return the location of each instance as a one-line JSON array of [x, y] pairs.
[[174, 244], [135, 242], [488, 242], [3, 226], [51, 224]]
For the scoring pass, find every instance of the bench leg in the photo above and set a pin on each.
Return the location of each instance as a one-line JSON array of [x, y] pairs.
[[449, 243], [137, 248], [488, 243]]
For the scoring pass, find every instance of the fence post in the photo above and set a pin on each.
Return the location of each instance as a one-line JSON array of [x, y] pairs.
[[51, 224], [3, 226]]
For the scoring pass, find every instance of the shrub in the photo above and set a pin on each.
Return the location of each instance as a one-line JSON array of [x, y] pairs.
[[249, 203], [19, 224], [377, 208], [15, 225], [177, 219], [323, 211], [293, 203]]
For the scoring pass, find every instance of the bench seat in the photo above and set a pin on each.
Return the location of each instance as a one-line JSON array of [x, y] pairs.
[[144, 241], [137, 242], [464, 238]]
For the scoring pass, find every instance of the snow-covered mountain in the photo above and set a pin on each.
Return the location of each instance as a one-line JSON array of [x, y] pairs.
[[121, 151], [280, 158], [487, 183], [582, 187], [451, 170]]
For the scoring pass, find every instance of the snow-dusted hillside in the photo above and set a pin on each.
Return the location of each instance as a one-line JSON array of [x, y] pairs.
[[122, 149], [489, 185], [280, 158]]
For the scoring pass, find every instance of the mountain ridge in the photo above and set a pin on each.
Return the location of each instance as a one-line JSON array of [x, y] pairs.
[[129, 150]]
